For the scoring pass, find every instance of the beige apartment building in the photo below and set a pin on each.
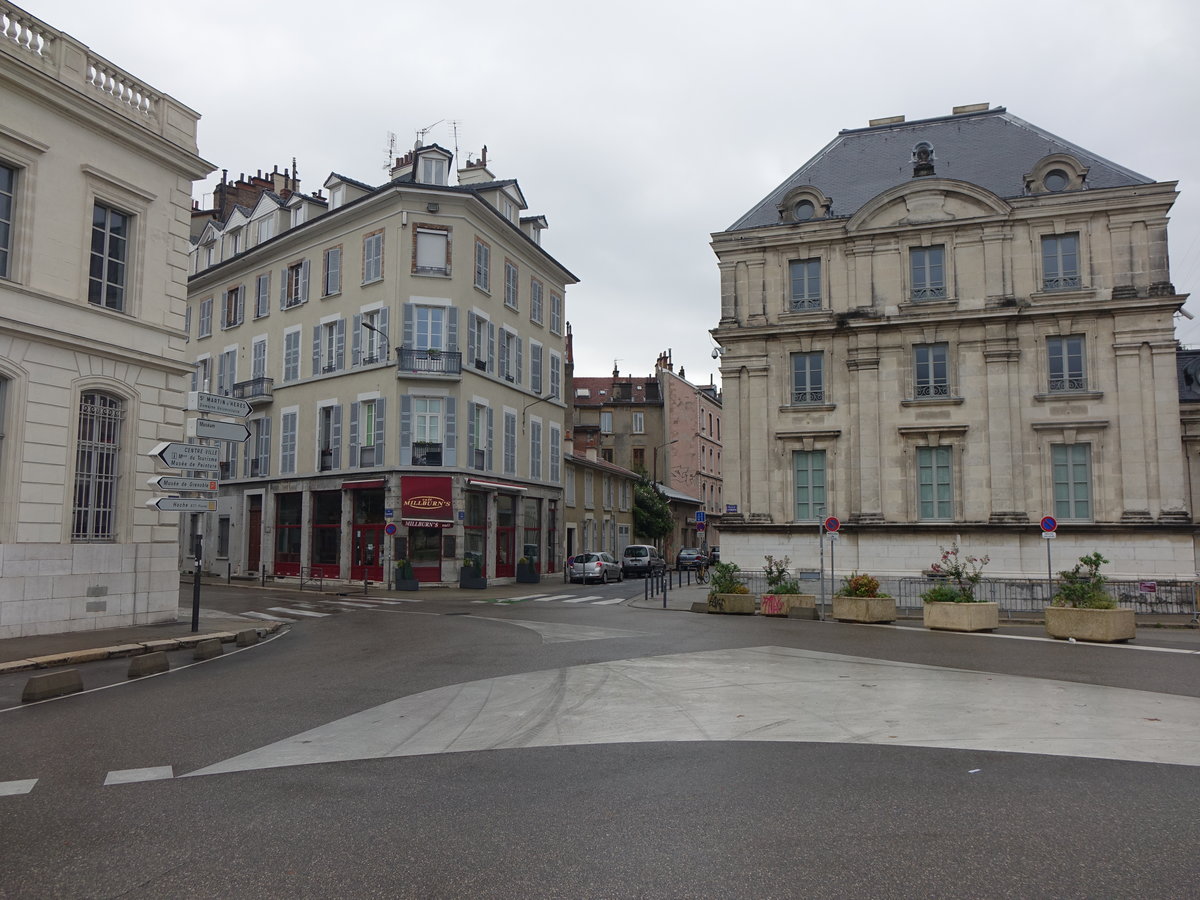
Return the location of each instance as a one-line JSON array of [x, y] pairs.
[[401, 347], [597, 505], [96, 172], [945, 330]]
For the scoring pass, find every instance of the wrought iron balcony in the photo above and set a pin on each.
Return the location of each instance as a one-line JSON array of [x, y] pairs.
[[428, 362], [426, 453], [256, 391]]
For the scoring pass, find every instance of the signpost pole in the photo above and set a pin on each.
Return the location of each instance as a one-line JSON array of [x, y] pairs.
[[821, 537], [196, 584], [1049, 527]]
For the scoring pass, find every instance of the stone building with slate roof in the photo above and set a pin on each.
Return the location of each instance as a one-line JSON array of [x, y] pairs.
[[944, 330]]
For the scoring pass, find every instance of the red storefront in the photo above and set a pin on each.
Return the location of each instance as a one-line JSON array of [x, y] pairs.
[[426, 508]]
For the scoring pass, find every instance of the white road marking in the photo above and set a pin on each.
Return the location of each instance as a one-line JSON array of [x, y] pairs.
[[132, 776], [298, 612], [13, 788], [268, 617], [554, 597], [757, 694], [348, 603], [609, 602], [583, 599]]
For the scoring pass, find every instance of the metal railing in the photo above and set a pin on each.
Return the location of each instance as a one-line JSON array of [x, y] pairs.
[[429, 362]]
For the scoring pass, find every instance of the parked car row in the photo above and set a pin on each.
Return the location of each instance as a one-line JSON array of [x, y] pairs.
[[636, 559]]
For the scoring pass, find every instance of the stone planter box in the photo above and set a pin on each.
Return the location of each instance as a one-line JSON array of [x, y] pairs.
[[471, 579], [783, 604], [407, 584], [733, 604], [864, 609], [962, 616], [527, 575], [1101, 625]]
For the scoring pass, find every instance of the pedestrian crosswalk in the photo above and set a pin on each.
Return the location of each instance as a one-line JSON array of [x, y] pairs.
[[290, 611]]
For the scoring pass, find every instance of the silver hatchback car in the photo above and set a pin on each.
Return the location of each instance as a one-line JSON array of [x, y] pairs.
[[599, 567]]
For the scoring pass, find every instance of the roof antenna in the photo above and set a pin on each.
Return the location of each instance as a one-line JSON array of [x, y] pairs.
[[390, 151], [421, 132], [454, 123]]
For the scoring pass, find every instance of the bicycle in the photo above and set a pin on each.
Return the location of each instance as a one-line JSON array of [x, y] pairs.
[[702, 572]]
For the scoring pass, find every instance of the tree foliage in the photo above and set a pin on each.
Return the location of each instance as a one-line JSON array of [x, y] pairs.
[[651, 512]]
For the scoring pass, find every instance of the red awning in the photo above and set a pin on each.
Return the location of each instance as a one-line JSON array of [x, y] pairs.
[[425, 501], [363, 485]]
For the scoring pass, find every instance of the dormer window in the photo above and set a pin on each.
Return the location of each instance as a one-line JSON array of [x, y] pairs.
[[803, 211], [1056, 173], [433, 170], [804, 204], [922, 160], [1056, 180], [266, 229], [337, 197]]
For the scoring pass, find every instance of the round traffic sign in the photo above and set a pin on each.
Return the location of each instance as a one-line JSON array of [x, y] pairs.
[[1049, 523], [389, 528], [832, 524]]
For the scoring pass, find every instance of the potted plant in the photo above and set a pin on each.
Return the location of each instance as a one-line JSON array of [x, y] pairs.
[[783, 591], [526, 572], [405, 580], [727, 594], [471, 574], [1083, 610], [951, 604], [859, 600]]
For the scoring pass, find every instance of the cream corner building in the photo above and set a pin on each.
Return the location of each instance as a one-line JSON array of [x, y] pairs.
[[96, 172], [944, 330]]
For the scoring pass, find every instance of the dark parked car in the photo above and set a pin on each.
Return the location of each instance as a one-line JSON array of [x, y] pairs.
[[690, 558], [714, 555], [642, 559]]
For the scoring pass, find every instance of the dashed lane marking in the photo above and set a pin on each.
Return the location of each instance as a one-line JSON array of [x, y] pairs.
[[291, 611], [553, 597], [268, 617], [609, 602], [132, 776], [15, 788], [583, 599]]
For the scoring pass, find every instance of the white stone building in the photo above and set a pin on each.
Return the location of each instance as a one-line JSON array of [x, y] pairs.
[[96, 172], [402, 349], [945, 330]]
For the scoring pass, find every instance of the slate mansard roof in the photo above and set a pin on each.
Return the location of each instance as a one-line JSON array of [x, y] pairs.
[[991, 149]]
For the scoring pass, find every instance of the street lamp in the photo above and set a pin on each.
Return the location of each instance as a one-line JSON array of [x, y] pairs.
[[656, 449]]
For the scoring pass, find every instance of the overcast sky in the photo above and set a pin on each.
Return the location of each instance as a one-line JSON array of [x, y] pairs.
[[639, 128]]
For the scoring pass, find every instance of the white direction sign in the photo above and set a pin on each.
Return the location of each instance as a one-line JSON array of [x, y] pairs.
[[182, 504], [187, 456], [176, 483], [218, 431], [199, 401]]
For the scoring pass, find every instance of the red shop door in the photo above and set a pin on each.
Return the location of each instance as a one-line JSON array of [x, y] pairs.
[[366, 554]]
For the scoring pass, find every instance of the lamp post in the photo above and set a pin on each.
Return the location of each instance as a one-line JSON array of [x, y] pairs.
[[656, 449]]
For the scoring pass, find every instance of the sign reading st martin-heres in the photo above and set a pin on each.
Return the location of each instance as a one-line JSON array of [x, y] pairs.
[[187, 456], [199, 401]]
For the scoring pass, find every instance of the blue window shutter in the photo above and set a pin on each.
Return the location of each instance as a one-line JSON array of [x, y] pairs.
[[472, 353], [316, 356], [406, 429], [336, 437], [488, 464], [450, 435], [264, 448], [520, 361], [340, 361], [409, 325], [283, 287], [491, 360], [354, 435], [304, 281], [380, 432], [452, 329], [356, 340], [472, 446], [383, 326]]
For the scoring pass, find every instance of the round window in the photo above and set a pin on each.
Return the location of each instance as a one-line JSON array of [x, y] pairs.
[[804, 210], [1056, 180]]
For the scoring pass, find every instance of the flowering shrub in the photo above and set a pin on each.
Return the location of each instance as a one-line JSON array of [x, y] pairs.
[[779, 579], [1084, 590], [857, 585], [964, 571], [725, 580]]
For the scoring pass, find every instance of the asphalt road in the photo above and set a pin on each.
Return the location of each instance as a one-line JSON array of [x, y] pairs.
[[570, 749]]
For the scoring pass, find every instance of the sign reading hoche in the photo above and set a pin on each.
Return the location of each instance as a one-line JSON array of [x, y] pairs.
[[182, 504]]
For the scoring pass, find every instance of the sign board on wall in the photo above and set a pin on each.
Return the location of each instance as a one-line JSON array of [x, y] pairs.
[[426, 501]]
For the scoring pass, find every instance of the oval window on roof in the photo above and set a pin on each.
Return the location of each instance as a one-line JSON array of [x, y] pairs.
[[803, 211], [1056, 180]]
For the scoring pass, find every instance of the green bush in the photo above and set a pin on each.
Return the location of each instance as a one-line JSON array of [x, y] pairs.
[[779, 579], [857, 585], [965, 572], [1083, 586], [945, 593], [724, 580]]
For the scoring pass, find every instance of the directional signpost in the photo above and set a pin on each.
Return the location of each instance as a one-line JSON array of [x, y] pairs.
[[183, 504], [234, 432], [192, 457], [198, 401], [176, 483]]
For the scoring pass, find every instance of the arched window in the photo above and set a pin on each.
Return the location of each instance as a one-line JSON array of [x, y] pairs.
[[97, 457]]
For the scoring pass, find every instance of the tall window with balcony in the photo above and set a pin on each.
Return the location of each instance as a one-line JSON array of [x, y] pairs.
[[235, 301], [535, 367], [329, 438], [931, 370], [431, 256], [483, 266], [808, 381], [511, 276], [805, 278], [371, 337], [427, 419], [927, 266], [201, 374], [287, 442], [97, 467], [555, 454], [329, 347], [481, 343], [227, 371], [372, 257], [294, 285], [332, 281], [262, 295], [8, 204], [535, 449], [808, 467], [935, 490], [108, 272], [511, 353], [479, 438], [367, 430], [510, 442], [258, 448], [1066, 363], [1060, 262], [1072, 475]]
